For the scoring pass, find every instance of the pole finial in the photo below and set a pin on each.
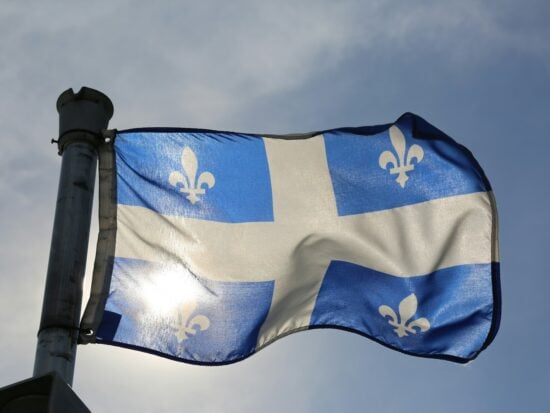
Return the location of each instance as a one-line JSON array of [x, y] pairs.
[[82, 116]]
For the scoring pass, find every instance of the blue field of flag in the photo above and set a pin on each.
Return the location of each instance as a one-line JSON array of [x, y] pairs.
[[241, 189], [438, 168], [167, 310]]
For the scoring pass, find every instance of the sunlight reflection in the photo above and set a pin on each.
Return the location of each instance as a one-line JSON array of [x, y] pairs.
[[170, 288]]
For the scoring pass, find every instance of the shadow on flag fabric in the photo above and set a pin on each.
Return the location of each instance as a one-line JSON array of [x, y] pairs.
[[214, 244]]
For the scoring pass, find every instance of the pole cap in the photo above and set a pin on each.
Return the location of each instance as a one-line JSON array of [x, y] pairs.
[[82, 114]]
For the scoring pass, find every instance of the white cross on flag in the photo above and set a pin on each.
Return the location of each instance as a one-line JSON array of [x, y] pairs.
[[214, 244]]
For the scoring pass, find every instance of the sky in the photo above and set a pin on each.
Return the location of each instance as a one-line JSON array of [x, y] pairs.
[[479, 70]]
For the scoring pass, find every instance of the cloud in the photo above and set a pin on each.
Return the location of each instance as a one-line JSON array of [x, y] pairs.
[[202, 62], [207, 58]]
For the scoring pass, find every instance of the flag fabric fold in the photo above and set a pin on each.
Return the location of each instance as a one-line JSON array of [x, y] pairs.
[[214, 244]]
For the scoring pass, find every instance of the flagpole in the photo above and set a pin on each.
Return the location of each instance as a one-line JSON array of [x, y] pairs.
[[82, 116]]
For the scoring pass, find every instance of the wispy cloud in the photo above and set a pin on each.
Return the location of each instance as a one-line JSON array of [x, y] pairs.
[[205, 60]]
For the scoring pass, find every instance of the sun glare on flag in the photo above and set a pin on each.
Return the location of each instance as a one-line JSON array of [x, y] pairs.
[[169, 289]]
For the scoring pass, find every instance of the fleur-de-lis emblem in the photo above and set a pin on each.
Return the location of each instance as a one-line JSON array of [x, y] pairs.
[[186, 325], [402, 164], [187, 182], [407, 310]]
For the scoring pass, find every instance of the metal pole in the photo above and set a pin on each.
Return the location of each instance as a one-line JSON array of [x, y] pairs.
[[82, 116]]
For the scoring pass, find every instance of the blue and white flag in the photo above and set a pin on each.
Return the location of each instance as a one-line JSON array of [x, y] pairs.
[[215, 244]]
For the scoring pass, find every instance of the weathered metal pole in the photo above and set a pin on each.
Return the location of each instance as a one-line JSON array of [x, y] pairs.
[[82, 116]]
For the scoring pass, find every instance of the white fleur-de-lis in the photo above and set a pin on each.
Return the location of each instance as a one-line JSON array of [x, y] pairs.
[[186, 325], [402, 164], [407, 310], [187, 183]]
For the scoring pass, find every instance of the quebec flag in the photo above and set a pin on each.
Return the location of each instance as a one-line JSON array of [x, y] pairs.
[[214, 244]]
